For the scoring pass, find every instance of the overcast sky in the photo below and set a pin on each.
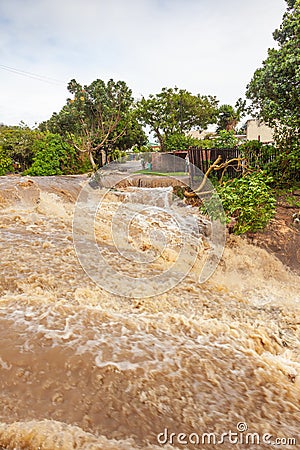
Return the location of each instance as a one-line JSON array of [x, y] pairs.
[[205, 46]]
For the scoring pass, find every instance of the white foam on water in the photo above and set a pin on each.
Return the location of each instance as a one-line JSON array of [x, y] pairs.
[[108, 371]]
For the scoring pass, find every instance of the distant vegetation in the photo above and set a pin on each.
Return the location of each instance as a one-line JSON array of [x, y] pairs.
[[32, 152], [100, 121]]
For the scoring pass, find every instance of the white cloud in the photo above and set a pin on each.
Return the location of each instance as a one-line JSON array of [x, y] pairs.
[[205, 46]]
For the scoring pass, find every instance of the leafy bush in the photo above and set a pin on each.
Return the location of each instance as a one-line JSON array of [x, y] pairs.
[[117, 154], [6, 163], [17, 141], [257, 154], [285, 167], [282, 162], [205, 143], [83, 164], [225, 139], [248, 201], [53, 156], [143, 149], [179, 141]]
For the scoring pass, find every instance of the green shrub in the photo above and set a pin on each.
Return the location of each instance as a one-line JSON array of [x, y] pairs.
[[225, 139], [117, 154], [257, 154], [248, 200], [6, 163], [143, 149], [83, 164], [17, 141], [204, 143], [178, 141], [282, 162], [285, 167], [53, 156]]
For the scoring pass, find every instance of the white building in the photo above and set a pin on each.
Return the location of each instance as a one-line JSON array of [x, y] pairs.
[[259, 131]]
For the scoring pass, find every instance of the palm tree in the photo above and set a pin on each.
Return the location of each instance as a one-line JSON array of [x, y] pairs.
[[230, 116]]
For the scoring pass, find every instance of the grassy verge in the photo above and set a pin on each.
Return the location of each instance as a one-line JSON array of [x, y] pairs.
[[163, 174]]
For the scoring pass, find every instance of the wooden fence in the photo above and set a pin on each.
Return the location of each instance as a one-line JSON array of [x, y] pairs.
[[203, 158]]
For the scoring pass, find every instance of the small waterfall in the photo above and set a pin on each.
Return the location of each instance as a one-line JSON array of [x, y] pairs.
[[159, 197]]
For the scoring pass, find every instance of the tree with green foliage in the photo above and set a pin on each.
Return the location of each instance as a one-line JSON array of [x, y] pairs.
[[6, 163], [275, 91], [17, 142], [176, 111], [275, 87], [95, 118], [132, 136]]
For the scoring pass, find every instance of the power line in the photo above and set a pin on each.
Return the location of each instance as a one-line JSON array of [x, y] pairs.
[[34, 76]]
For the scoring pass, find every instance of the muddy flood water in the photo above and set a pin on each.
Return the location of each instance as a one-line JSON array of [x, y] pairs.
[[203, 365]]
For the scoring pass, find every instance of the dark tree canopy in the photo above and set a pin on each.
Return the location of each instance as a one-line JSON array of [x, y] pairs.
[[275, 93], [291, 3], [275, 87]]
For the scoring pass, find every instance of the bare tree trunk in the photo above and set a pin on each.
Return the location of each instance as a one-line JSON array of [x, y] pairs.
[[161, 143], [160, 139], [91, 158]]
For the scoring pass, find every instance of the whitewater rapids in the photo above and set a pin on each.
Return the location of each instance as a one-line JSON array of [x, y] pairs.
[[83, 368]]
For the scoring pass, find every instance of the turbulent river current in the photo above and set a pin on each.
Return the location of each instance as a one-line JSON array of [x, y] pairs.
[[116, 363]]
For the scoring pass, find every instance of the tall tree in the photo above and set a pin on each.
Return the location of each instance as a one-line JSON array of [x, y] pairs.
[[96, 116], [275, 87], [176, 111]]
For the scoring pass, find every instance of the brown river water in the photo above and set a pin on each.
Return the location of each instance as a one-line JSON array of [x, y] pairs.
[[82, 367]]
